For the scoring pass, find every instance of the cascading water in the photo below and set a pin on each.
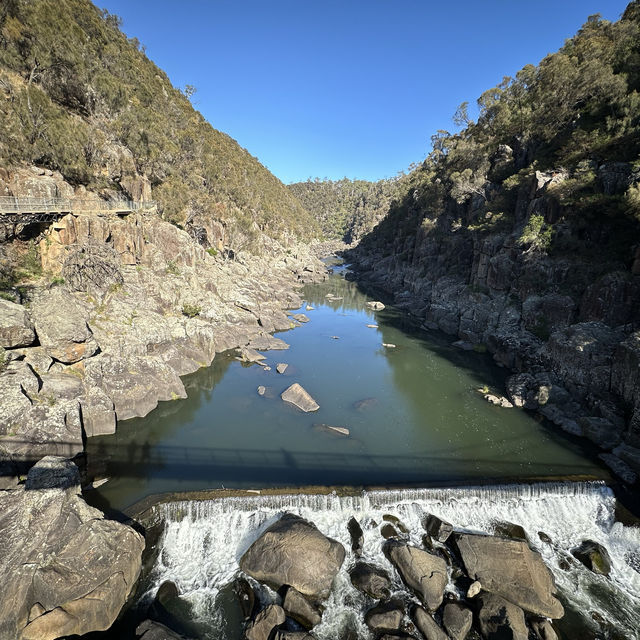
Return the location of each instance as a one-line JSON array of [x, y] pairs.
[[204, 540]]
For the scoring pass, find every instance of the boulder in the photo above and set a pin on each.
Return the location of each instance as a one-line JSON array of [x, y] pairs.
[[375, 305], [388, 531], [16, 329], [300, 609], [246, 597], [262, 625], [293, 552], [298, 397], [300, 317], [61, 325], [426, 625], [457, 620], [509, 530], [372, 580], [437, 528], [386, 616], [543, 629], [423, 572], [510, 569], [499, 619], [593, 556], [67, 570], [357, 536], [247, 354], [281, 367], [152, 630]]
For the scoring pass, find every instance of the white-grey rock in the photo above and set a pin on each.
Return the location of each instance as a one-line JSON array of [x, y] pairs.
[[299, 397]]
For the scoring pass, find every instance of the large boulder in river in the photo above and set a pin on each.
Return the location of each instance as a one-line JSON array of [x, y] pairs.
[[262, 626], [299, 397], [593, 556], [372, 580], [509, 568], [427, 626], [292, 551], [16, 329], [423, 572], [64, 569]]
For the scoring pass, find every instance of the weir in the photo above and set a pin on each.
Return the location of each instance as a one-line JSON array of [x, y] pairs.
[[204, 540]]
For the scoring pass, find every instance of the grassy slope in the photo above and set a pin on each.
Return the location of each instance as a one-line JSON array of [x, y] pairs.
[[79, 97]]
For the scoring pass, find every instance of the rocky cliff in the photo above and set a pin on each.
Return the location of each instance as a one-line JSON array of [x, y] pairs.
[[520, 235]]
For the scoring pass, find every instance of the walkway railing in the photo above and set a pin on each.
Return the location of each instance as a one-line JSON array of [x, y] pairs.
[[10, 205]]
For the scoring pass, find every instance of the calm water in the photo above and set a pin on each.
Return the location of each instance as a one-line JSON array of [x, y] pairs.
[[413, 414]]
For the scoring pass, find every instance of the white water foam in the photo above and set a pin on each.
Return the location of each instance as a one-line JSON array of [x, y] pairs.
[[203, 542]]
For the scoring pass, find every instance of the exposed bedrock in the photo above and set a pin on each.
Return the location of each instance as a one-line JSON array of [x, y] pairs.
[[65, 569]]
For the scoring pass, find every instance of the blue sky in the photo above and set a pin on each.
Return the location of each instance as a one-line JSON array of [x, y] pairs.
[[355, 88]]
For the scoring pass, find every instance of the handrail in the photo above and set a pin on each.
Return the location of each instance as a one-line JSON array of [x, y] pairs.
[[11, 204]]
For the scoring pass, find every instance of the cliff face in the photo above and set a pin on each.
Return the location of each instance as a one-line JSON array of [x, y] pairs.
[[520, 234]]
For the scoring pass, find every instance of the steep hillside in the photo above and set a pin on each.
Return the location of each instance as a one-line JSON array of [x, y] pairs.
[[522, 233], [347, 209], [80, 98]]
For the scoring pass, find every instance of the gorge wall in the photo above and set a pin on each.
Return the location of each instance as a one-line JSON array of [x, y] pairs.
[[521, 235]]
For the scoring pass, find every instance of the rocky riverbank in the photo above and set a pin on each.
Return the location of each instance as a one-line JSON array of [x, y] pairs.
[[565, 323], [123, 307]]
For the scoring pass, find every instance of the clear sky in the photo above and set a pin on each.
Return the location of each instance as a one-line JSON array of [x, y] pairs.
[[335, 88]]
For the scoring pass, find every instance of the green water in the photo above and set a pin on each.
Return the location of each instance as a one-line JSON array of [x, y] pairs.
[[413, 413]]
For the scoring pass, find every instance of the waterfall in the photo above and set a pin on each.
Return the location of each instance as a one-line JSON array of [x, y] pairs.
[[204, 540]]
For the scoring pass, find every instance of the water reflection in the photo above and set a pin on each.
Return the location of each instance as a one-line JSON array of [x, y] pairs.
[[412, 412]]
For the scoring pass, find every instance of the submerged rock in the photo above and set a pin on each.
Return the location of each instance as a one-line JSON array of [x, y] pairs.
[[299, 397], [293, 552], [510, 569], [65, 569], [336, 431]]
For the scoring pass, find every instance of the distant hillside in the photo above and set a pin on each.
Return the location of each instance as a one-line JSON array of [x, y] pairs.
[[81, 98], [347, 209]]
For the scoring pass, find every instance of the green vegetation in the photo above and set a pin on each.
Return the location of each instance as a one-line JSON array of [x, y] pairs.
[[565, 134], [191, 310], [212, 251], [77, 96], [347, 209]]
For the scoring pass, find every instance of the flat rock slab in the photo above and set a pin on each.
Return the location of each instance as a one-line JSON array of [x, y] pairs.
[[281, 367], [266, 342], [247, 354], [336, 431], [300, 317], [292, 551], [510, 569], [298, 397]]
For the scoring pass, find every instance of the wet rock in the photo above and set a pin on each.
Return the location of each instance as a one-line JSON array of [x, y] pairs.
[[152, 630], [375, 305], [396, 522], [544, 537], [293, 552], [300, 609], [457, 620], [387, 616], [299, 397], [293, 635], [246, 597], [427, 626], [423, 572], [372, 580], [509, 568], [500, 619], [357, 536], [16, 329], [593, 556], [66, 570], [389, 531], [509, 530], [262, 625], [281, 367], [437, 528]]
